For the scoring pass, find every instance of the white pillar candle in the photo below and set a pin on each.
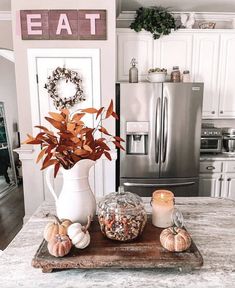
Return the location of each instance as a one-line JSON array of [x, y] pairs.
[[163, 206]]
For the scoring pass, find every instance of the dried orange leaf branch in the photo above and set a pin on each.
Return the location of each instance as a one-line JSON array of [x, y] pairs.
[[74, 141]]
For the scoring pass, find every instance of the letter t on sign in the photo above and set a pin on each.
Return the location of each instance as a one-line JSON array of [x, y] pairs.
[[92, 18], [92, 25]]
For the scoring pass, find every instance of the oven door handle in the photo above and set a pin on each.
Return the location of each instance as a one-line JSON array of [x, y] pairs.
[[211, 138], [129, 184]]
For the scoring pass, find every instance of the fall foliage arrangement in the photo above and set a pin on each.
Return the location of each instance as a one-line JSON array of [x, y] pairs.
[[74, 141]]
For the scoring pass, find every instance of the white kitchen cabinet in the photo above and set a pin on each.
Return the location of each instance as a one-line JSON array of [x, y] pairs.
[[210, 185], [174, 50], [226, 76], [208, 55], [134, 45], [217, 178], [229, 191], [205, 69]]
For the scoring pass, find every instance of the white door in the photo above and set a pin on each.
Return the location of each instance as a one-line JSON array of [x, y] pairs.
[[205, 69], [134, 45], [174, 50], [90, 75], [226, 81], [210, 185]]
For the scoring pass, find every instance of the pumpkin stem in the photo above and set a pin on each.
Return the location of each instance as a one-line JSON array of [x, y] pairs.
[[57, 219], [85, 228], [174, 230]]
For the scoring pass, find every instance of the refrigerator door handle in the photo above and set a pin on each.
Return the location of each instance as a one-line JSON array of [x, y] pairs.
[[128, 184], [158, 129], [165, 129]]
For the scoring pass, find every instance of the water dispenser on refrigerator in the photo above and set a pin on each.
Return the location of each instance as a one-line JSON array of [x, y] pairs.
[[137, 138]]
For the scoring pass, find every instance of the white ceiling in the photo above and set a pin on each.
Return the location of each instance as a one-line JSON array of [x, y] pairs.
[[181, 5], [5, 5]]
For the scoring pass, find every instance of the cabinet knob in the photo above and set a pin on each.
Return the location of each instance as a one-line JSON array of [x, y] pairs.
[[229, 179], [213, 112], [221, 179], [210, 167], [221, 112]]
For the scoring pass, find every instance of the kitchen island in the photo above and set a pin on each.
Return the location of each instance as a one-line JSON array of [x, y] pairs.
[[210, 221]]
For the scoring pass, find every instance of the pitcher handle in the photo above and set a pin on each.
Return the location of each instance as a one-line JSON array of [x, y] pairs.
[[48, 181]]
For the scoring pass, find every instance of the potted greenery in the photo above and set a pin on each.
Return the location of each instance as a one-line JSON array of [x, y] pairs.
[[73, 150], [156, 20]]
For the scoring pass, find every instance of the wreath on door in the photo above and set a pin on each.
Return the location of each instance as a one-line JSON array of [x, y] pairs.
[[52, 88]]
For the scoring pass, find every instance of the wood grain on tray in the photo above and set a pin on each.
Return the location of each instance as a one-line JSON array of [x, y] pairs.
[[144, 252]]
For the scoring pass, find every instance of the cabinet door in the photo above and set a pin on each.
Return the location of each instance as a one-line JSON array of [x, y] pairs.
[[174, 50], [205, 69], [229, 191], [134, 45], [210, 185], [226, 79]]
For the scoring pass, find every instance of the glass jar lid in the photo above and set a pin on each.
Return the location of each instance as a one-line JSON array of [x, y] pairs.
[[121, 202]]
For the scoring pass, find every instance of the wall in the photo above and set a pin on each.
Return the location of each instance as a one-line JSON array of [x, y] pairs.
[[5, 5], [32, 200]]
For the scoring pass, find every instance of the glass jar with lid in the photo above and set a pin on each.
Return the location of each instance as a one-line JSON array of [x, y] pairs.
[[122, 215], [175, 74]]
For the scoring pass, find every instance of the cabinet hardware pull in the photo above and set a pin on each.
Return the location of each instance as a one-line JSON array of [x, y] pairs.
[[210, 167], [221, 112], [229, 179], [213, 112], [221, 179]]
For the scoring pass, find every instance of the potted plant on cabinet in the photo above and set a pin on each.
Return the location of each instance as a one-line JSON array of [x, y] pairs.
[[73, 150]]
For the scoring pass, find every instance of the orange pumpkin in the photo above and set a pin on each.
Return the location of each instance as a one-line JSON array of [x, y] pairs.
[[59, 246], [175, 239], [56, 227]]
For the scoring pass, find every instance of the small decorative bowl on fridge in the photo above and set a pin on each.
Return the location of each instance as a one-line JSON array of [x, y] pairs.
[[157, 75]]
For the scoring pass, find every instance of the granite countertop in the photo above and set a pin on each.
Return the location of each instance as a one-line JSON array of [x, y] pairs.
[[210, 221]]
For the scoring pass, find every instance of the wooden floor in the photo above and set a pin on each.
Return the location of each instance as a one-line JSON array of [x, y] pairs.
[[11, 216]]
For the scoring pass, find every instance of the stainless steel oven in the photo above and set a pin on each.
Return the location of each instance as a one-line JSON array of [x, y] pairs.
[[211, 140]]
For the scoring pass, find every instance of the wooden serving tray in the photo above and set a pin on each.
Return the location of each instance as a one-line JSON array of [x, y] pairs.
[[144, 252]]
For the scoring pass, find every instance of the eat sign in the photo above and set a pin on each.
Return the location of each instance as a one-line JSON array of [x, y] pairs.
[[63, 24]]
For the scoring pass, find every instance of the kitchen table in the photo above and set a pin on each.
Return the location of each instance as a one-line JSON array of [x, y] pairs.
[[210, 221]]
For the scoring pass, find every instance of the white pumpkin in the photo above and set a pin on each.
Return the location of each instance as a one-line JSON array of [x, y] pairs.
[[79, 235]]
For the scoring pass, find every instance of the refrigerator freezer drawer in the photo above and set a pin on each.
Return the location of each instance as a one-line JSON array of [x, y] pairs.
[[185, 187]]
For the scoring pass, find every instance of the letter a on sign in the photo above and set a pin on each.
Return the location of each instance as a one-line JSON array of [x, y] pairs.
[[63, 24], [92, 25]]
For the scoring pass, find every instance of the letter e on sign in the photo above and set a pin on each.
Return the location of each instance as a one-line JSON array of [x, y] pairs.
[[63, 24], [92, 25], [34, 24]]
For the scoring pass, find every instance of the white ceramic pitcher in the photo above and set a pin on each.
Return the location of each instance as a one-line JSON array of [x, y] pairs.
[[76, 200]]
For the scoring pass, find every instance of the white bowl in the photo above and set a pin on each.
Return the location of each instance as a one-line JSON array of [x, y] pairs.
[[156, 77]]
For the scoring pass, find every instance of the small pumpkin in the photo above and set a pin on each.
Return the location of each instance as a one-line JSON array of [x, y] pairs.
[[79, 234], [59, 245], [56, 227], [175, 239]]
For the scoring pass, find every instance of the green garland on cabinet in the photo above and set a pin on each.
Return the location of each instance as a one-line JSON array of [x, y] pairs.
[[156, 20]]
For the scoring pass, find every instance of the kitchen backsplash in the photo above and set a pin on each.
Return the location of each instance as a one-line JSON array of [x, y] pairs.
[[221, 122]]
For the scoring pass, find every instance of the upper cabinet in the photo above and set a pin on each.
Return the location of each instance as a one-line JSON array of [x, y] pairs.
[[134, 45], [226, 76], [205, 69], [208, 55], [174, 50]]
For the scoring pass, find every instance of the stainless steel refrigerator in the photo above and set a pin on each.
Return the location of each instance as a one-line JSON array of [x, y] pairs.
[[161, 126]]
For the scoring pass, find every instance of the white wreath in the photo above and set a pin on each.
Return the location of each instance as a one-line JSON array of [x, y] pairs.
[[69, 76]]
